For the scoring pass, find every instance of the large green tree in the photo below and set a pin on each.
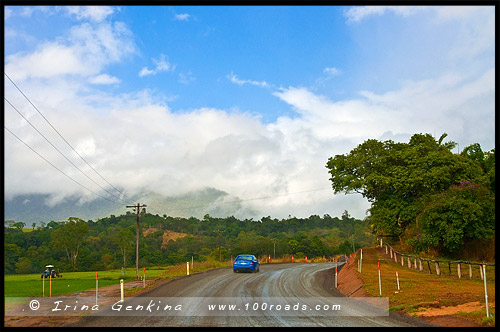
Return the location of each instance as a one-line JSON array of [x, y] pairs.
[[70, 238], [124, 239], [397, 177]]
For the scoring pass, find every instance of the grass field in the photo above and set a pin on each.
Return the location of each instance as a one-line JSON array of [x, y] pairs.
[[26, 285], [421, 290]]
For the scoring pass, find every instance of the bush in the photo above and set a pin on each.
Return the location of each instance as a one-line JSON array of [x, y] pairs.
[[461, 213]]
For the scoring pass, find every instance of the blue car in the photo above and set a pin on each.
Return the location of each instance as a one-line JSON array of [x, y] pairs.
[[246, 263]]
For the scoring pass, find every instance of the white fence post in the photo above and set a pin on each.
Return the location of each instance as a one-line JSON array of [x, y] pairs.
[[121, 289], [361, 261], [481, 271], [409, 262], [459, 272], [379, 282], [420, 265], [485, 291], [470, 271], [438, 271]]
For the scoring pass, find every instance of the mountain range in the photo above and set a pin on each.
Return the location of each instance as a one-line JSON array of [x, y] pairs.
[[34, 208]]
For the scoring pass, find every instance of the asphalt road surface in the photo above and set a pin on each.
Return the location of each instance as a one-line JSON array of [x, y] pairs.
[[273, 282]]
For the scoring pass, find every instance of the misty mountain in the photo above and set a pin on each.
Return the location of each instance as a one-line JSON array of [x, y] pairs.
[[35, 208]]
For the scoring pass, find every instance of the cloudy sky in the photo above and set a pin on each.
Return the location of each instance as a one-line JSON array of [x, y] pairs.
[[249, 100]]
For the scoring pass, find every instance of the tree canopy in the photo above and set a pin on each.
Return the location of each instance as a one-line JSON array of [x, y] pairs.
[[108, 243], [401, 179]]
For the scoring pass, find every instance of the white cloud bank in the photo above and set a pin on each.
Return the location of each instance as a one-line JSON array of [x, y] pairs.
[[138, 143]]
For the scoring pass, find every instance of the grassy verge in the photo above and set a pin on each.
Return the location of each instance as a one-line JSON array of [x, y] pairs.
[[421, 290], [27, 285]]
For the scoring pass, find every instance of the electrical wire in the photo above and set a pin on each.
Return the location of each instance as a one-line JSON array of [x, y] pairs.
[[78, 183], [36, 108], [60, 151]]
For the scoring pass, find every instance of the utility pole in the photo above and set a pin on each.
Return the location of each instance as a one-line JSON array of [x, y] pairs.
[[138, 209], [220, 232]]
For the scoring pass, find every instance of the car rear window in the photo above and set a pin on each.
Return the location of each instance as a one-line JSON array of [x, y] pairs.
[[244, 258]]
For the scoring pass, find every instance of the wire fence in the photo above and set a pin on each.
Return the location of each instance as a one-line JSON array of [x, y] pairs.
[[460, 268]]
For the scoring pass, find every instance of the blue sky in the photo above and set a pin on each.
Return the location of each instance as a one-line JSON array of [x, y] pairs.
[[249, 100]]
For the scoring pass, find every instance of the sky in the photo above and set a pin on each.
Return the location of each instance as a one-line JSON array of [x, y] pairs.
[[248, 100]]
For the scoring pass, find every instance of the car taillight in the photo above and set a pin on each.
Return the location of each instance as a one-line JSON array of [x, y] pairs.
[[251, 263], [234, 262]]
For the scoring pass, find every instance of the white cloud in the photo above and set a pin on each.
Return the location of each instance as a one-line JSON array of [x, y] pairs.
[[182, 17], [234, 79], [85, 52], [104, 79], [7, 13], [186, 78], [92, 13], [357, 14], [140, 144], [162, 65], [332, 71]]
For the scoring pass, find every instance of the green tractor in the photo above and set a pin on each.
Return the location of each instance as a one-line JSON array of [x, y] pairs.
[[50, 272]]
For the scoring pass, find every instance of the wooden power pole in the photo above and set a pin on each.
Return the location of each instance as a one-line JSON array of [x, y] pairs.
[[138, 208], [220, 256]]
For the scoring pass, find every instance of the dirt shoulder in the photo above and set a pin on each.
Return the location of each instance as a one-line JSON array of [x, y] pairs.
[[447, 311]]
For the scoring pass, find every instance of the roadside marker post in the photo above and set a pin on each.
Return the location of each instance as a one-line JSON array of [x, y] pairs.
[[96, 285], [43, 285], [397, 278], [292, 258], [485, 291], [335, 275], [379, 282], [187, 268], [121, 289], [361, 260], [50, 284], [269, 258], [306, 259], [144, 279]]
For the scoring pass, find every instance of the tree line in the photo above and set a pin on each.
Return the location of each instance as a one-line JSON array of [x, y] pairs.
[[429, 199], [109, 243]]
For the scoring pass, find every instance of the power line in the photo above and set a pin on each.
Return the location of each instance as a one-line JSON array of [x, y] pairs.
[[60, 151], [78, 183], [64, 138]]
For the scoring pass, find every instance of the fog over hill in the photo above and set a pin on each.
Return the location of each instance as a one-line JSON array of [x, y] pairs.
[[37, 207]]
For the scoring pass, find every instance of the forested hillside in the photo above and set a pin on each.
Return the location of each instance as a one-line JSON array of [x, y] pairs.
[[109, 243]]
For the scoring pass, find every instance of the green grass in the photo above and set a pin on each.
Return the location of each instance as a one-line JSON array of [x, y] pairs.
[[26, 285]]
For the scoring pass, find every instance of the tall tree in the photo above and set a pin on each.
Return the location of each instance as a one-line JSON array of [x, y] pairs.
[[70, 237], [124, 239], [395, 177]]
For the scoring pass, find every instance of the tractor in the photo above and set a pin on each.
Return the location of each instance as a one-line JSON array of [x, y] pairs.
[[50, 272]]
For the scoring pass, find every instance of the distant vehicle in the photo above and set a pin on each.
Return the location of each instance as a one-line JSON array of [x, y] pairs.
[[246, 263], [50, 272]]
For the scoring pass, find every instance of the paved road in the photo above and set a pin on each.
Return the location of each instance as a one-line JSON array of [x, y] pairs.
[[274, 281]]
